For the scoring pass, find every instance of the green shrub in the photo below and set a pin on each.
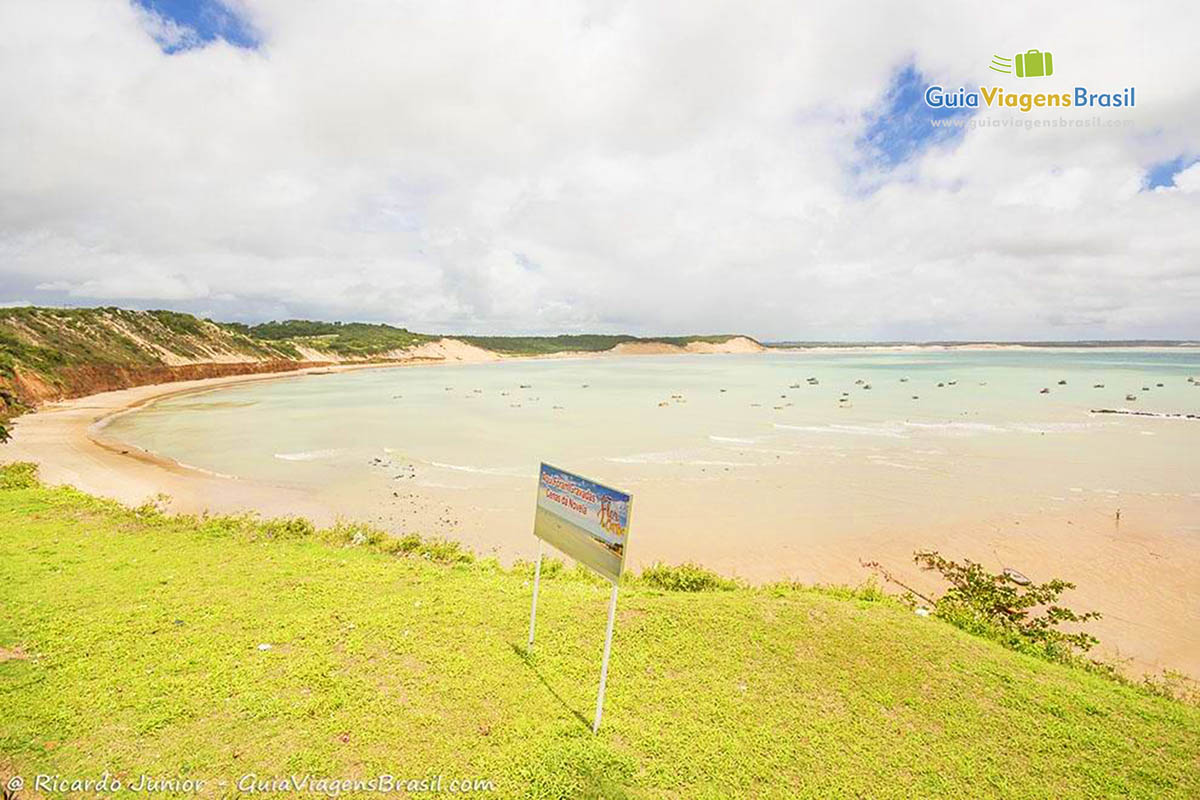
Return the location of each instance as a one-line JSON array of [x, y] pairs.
[[1024, 618], [287, 528], [18, 475], [354, 534], [687, 577], [441, 551]]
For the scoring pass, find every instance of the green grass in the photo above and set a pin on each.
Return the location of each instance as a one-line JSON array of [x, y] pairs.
[[137, 639]]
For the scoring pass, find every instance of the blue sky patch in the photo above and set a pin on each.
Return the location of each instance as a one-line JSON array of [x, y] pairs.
[[179, 25], [1163, 173], [901, 126]]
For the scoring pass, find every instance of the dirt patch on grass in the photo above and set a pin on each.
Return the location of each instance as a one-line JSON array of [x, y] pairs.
[[12, 654]]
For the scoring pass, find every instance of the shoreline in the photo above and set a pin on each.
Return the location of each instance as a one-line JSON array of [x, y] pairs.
[[1140, 579], [62, 436]]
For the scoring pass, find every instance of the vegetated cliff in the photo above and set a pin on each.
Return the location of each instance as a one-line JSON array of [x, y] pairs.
[[54, 353]]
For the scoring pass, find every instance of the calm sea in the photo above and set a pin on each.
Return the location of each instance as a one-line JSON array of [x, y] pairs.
[[723, 453]]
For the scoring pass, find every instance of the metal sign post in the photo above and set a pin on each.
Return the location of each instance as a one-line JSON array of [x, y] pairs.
[[612, 613], [537, 577]]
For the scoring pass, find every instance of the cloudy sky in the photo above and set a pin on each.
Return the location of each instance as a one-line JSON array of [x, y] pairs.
[[522, 167]]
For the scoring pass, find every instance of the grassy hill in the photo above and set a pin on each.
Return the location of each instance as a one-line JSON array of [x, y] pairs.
[[133, 642]]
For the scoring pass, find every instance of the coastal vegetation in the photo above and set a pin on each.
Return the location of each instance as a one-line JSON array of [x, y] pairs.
[[346, 339], [211, 647], [578, 343]]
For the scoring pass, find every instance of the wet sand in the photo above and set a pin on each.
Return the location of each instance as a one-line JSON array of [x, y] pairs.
[[1141, 573]]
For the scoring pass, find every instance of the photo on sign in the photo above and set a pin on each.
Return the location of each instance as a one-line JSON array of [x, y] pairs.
[[583, 519]]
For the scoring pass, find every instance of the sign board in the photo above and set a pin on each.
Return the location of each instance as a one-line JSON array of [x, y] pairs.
[[583, 519], [590, 523]]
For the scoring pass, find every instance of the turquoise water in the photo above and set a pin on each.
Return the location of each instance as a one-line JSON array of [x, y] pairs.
[[734, 458], [453, 422]]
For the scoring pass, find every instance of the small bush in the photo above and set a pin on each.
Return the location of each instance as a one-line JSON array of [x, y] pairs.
[[18, 475], [446, 552], [1173, 684], [687, 577], [354, 534], [438, 550], [1024, 618], [227, 525], [287, 528], [153, 509]]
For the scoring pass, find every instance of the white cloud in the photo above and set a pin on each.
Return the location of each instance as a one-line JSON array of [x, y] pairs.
[[606, 165], [1188, 180]]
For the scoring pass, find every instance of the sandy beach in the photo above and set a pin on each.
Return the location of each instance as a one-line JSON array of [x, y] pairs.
[[1139, 572]]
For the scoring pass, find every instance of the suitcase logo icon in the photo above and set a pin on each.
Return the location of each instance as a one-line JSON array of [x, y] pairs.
[[1030, 64]]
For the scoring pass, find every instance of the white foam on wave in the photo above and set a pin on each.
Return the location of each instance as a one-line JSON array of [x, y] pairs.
[[768, 450], [731, 439], [898, 429], [500, 471], [309, 455], [670, 458], [643, 458], [852, 430], [956, 428], [896, 464], [1053, 427]]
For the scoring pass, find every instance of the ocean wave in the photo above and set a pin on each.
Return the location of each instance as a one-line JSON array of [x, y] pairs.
[[1053, 427], [309, 455], [897, 429], [773, 451], [731, 439], [885, 463], [500, 471], [675, 459], [853, 430], [957, 428]]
